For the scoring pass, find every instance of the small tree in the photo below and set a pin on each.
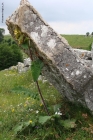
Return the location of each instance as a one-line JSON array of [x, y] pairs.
[[87, 34], [9, 41], [10, 55], [2, 31], [92, 34]]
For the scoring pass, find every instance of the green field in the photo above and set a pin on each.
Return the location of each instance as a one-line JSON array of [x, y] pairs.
[[79, 41]]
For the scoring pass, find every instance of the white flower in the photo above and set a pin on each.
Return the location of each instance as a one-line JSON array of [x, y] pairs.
[[37, 112], [58, 113]]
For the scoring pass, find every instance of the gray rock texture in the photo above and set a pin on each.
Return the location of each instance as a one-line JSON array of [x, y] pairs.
[[86, 56], [92, 55], [23, 67], [83, 54], [62, 66]]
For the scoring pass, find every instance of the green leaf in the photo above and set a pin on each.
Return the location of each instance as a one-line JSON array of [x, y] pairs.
[[25, 124], [57, 107], [36, 68], [21, 126], [18, 128], [26, 91], [25, 45], [44, 119], [69, 123]]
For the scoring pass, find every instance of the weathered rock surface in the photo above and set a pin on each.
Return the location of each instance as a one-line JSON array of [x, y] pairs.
[[23, 67], [83, 54], [63, 67], [86, 56], [92, 55]]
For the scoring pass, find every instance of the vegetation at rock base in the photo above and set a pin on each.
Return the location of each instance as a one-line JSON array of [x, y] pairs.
[[22, 114]]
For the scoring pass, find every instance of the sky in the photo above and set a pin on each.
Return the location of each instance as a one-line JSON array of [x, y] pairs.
[[64, 16]]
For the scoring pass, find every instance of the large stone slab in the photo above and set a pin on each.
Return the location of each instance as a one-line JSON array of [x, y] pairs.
[[62, 66]]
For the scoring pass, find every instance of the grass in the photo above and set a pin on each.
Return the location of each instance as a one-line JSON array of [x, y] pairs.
[[20, 107], [6, 37], [79, 41]]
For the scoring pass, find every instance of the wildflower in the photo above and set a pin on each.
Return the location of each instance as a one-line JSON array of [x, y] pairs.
[[28, 98], [41, 104], [30, 109], [15, 32], [13, 110], [58, 113], [30, 121], [25, 105], [37, 112], [33, 102]]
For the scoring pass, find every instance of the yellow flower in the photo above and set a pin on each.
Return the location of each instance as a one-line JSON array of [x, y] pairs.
[[33, 102], [25, 105], [30, 121], [41, 104], [13, 110], [15, 32], [28, 98]]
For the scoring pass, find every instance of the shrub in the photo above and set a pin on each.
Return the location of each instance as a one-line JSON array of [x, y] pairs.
[[1, 36], [87, 34], [9, 55]]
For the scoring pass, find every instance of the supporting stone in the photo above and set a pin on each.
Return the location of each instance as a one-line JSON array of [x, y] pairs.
[[62, 66], [86, 57]]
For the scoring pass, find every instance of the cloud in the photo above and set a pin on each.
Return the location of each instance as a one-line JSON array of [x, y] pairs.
[[66, 16], [72, 28]]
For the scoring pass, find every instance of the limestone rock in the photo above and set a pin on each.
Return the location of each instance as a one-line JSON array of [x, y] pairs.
[[62, 66], [20, 67], [27, 62], [23, 67], [13, 68], [86, 57], [83, 54]]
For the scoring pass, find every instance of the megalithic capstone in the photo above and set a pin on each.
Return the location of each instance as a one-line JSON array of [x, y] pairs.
[[62, 67]]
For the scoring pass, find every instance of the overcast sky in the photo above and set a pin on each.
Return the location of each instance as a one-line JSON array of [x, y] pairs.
[[64, 16]]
